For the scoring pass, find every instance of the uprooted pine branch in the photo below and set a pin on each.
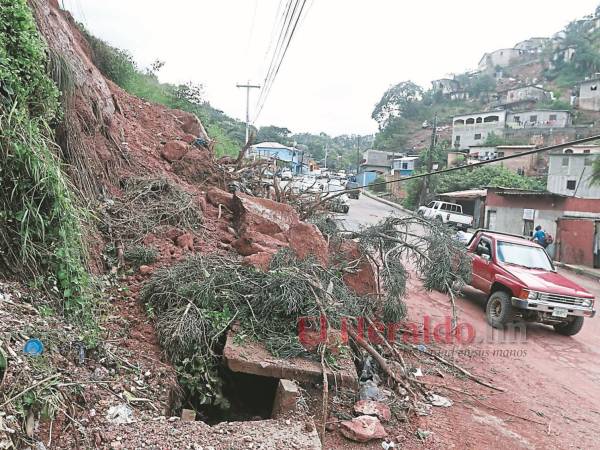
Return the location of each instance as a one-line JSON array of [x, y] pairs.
[[196, 301], [147, 204]]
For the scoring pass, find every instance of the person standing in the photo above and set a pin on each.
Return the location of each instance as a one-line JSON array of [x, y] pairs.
[[540, 236]]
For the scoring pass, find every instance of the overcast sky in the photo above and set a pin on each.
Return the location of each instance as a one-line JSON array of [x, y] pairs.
[[344, 55]]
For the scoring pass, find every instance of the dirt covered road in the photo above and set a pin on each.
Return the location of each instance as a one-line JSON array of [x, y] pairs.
[[551, 382]]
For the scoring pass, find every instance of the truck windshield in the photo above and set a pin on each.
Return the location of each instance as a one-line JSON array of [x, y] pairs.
[[523, 255]]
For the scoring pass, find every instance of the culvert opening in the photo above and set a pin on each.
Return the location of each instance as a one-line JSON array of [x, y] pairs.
[[250, 397]]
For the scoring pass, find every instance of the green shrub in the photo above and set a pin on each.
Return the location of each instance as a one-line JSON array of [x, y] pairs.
[[40, 228], [376, 186]]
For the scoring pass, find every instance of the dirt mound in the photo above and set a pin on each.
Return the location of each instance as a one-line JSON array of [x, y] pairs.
[[108, 134]]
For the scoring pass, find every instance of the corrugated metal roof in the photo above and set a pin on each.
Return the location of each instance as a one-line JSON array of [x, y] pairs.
[[469, 193]]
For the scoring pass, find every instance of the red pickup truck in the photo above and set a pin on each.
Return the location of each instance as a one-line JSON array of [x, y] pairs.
[[521, 281]]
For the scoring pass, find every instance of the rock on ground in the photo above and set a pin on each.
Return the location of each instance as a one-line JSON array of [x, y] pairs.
[[363, 429]]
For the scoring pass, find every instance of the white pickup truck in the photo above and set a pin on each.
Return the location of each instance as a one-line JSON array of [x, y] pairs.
[[447, 213]]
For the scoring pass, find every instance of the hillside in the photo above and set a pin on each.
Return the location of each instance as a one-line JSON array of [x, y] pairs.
[[555, 64]]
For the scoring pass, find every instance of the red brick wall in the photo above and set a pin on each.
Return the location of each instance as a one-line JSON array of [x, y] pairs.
[[576, 241]]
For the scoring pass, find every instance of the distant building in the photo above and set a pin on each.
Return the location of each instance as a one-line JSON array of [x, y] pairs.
[[569, 174], [524, 93], [473, 129], [280, 155], [378, 161], [539, 118], [589, 94], [405, 166], [582, 148], [533, 45], [499, 58], [445, 86], [482, 152], [528, 165]]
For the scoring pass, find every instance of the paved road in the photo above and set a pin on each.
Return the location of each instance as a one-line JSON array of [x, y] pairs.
[[366, 211], [549, 378]]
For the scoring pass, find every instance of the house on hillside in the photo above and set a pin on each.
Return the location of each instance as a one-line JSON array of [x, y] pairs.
[[533, 45], [570, 173], [482, 152], [473, 129], [589, 94], [528, 93], [528, 165], [445, 86], [405, 166], [503, 57], [539, 118]]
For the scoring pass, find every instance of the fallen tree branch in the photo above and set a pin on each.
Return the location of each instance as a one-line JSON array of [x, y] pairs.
[[33, 386], [465, 372]]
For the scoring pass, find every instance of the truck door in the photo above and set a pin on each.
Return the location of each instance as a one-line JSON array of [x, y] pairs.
[[482, 278]]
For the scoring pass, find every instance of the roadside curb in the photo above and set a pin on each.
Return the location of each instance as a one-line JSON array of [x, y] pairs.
[[579, 270], [386, 202]]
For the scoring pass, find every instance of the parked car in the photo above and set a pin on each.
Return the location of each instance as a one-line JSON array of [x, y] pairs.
[[353, 186], [521, 282], [446, 213]]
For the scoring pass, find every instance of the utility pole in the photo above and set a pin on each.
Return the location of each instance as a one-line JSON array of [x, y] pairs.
[[326, 149], [427, 179], [357, 154], [248, 86]]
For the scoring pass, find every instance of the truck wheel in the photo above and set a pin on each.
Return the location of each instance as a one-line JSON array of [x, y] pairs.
[[570, 328], [499, 309]]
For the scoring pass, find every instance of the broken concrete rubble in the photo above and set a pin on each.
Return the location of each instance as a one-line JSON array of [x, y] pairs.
[[252, 358], [373, 408], [286, 398], [363, 429]]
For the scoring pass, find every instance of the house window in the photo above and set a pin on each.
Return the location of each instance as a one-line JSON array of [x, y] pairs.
[[478, 136], [552, 116], [404, 166], [587, 151], [533, 119], [500, 154], [565, 161], [568, 151], [594, 87], [571, 185], [517, 119]]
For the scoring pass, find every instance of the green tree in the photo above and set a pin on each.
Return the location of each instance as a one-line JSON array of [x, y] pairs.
[[471, 178], [272, 133], [401, 100]]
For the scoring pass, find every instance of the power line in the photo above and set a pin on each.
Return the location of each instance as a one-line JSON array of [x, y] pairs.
[[481, 163], [285, 26], [287, 39], [251, 33]]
